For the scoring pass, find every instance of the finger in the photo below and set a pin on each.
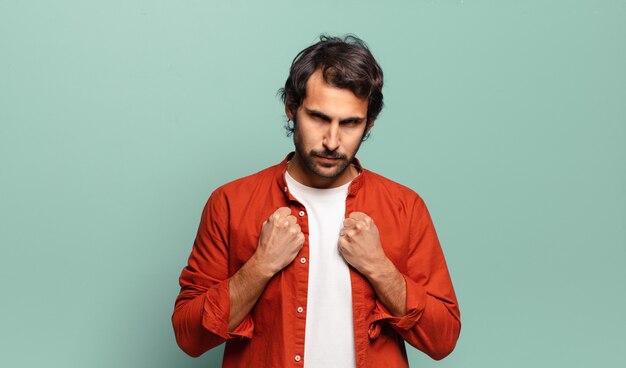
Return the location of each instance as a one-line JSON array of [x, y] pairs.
[[288, 221], [345, 234], [358, 216], [341, 246], [283, 211], [280, 214], [349, 222]]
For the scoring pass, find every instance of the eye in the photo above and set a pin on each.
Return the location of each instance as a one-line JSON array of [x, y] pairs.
[[318, 117], [350, 123]]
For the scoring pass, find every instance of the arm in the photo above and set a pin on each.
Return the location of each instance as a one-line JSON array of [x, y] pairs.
[[428, 317], [279, 243], [389, 286], [202, 308], [211, 307], [244, 289], [432, 323], [359, 244]]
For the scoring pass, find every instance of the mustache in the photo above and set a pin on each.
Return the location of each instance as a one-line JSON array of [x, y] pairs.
[[328, 154]]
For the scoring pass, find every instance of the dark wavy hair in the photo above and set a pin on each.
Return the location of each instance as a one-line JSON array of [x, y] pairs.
[[345, 63]]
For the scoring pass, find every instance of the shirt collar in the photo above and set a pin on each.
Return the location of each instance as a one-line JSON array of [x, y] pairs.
[[281, 168]]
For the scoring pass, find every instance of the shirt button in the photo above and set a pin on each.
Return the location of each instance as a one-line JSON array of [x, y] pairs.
[[300, 309], [302, 260], [297, 358], [301, 213], [285, 189]]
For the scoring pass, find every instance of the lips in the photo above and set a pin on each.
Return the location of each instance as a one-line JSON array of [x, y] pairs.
[[329, 159]]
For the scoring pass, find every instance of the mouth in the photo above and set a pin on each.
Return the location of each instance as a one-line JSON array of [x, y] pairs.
[[328, 158]]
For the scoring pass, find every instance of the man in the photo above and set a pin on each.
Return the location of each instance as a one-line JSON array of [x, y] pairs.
[[318, 262]]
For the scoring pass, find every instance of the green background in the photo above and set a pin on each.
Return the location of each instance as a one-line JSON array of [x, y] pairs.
[[118, 119]]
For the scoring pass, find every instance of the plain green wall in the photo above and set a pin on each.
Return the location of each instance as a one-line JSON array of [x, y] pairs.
[[118, 119]]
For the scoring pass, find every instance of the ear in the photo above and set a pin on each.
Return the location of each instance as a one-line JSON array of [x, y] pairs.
[[369, 127], [288, 113]]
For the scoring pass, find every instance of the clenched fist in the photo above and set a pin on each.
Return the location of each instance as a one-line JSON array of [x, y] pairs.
[[279, 242], [359, 243]]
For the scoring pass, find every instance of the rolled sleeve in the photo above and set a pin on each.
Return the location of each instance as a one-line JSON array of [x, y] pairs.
[[415, 303], [216, 314], [202, 308], [432, 321]]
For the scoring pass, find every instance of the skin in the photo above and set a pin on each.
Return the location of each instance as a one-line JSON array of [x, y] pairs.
[[359, 244], [331, 122], [279, 243], [328, 132]]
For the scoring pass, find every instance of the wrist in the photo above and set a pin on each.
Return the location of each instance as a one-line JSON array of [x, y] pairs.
[[381, 270], [261, 269]]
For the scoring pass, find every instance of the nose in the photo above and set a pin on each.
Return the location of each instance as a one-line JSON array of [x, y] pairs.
[[331, 138]]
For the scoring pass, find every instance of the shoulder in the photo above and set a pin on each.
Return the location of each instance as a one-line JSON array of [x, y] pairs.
[[399, 200], [247, 184], [379, 183], [383, 192]]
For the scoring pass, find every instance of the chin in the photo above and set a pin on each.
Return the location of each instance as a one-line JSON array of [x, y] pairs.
[[331, 172]]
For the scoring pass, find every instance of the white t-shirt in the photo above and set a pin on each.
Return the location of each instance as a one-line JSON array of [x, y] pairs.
[[329, 334]]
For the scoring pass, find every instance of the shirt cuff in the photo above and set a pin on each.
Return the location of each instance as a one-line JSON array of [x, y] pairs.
[[217, 313], [415, 303]]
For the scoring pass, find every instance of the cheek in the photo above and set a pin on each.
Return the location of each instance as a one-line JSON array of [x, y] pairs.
[[310, 137], [353, 143]]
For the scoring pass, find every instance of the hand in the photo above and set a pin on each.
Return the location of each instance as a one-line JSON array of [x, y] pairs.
[[279, 242], [359, 243]]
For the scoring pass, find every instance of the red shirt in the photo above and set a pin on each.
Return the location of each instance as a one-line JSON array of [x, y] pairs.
[[272, 334]]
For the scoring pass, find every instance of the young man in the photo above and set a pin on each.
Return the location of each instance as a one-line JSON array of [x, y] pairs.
[[318, 262]]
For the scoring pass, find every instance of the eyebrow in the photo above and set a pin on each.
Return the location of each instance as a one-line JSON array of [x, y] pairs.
[[321, 115]]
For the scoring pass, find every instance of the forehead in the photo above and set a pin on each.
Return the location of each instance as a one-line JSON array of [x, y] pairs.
[[331, 100]]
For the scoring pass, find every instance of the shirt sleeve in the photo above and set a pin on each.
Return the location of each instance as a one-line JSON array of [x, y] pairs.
[[432, 323], [202, 308]]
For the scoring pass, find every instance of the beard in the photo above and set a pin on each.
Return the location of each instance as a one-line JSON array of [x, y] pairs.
[[336, 168], [316, 166]]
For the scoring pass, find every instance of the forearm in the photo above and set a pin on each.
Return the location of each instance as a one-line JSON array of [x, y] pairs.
[[437, 325], [245, 288], [390, 287], [432, 322]]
